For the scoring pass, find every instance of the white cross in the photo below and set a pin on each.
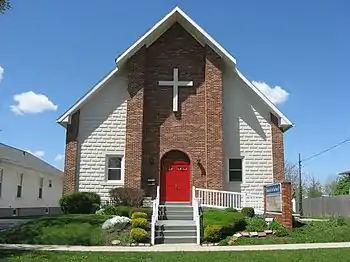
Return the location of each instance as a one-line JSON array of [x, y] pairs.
[[175, 83]]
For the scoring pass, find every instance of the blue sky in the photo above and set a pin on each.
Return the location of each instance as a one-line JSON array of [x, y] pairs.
[[60, 49]]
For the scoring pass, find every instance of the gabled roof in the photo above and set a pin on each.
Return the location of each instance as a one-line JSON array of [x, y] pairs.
[[176, 15], [25, 159]]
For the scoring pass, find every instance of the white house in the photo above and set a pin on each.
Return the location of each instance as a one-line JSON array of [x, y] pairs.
[[28, 185], [175, 112]]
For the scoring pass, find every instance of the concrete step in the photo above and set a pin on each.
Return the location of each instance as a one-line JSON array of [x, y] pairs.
[[176, 204], [176, 240], [178, 216], [179, 208], [178, 225], [176, 233]]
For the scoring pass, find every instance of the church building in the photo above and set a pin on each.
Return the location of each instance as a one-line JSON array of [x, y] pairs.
[[174, 112]]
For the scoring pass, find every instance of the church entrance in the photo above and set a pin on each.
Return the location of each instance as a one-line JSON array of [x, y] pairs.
[[175, 177]]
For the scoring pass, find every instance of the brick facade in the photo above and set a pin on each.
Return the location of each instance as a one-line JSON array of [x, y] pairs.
[[154, 129], [277, 150], [286, 216], [71, 155]]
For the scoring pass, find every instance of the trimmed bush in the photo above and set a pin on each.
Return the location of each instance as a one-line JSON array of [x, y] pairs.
[[139, 215], [248, 211], [109, 210], [140, 223], [279, 229], [231, 222], [141, 209], [127, 196], [213, 233], [80, 203], [230, 209], [139, 235], [256, 224], [123, 211]]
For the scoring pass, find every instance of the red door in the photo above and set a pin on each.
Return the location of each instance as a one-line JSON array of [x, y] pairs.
[[176, 182]]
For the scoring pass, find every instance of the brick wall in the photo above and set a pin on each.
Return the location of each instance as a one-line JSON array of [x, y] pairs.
[[71, 155], [286, 216], [277, 150], [164, 130]]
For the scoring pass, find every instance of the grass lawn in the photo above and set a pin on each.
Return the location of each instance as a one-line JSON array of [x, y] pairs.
[[335, 230], [318, 255]]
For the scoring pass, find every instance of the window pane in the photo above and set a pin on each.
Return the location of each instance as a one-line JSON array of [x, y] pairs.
[[235, 176], [114, 174], [40, 193], [114, 162], [19, 191], [235, 163]]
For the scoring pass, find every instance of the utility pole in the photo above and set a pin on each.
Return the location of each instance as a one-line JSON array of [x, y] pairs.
[[300, 189]]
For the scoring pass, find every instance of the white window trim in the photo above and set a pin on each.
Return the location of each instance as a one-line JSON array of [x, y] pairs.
[[41, 185], [122, 176], [243, 169]]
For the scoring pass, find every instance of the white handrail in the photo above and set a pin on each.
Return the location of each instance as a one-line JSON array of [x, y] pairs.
[[155, 207], [196, 217], [225, 199]]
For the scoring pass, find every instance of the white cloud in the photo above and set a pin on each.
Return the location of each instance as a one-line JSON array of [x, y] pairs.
[[32, 103], [38, 153], [59, 157], [277, 94], [1, 73]]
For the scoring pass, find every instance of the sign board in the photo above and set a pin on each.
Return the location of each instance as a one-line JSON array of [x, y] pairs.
[[274, 198]]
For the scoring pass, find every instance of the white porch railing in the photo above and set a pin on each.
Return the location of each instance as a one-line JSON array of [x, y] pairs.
[[196, 219], [155, 214], [226, 199]]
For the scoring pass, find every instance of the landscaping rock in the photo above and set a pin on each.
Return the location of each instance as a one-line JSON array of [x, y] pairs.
[[268, 231], [261, 234], [232, 240], [115, 242], [237, 235], [253, 234], [245, 234]]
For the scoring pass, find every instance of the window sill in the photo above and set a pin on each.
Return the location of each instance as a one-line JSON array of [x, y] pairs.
[[113, 183]]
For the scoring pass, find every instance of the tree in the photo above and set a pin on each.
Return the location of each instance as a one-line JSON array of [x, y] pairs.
[[291, 174], [329, 186], [4, 5], [314, 188], [341, 186]]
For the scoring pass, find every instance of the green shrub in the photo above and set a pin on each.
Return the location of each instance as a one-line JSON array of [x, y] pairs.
[[139, 215], [248, 211], [123, 211], [213, 233], [80, 203], [230, 209], [336, 222], [231, 222], [70, 234], [127, 196], [256, 224], [139, 235], [140, 223], [279, 229], [140, 209], [110, 210]]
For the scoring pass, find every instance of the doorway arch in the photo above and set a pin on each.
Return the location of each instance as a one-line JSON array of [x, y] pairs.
[[175, 177]]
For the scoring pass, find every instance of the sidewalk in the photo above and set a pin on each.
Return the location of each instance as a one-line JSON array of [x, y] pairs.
[[173, 248]]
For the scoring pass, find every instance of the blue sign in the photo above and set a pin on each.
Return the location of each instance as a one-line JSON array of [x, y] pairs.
[[273, 189]]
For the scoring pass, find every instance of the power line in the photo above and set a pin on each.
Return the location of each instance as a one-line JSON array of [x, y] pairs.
[[322, 152]]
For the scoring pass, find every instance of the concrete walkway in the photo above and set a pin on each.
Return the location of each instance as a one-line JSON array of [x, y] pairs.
[[173, 248]]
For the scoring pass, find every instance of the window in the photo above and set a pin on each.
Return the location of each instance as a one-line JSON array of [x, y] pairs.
[[41, 184], [1, 178], [114, 168], [235, 170], [50, 183], [19, 186]]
